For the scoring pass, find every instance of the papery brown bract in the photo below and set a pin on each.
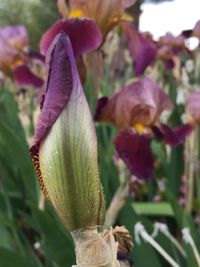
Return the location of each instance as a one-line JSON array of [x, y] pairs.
[[64, 149]]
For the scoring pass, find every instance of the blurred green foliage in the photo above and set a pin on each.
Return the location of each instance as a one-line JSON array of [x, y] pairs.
[[36, 15]]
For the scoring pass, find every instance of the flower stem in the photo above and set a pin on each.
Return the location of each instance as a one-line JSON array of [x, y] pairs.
[[191, 154], [116, 205]]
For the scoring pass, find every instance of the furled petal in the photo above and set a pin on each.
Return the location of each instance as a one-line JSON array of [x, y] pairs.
[[23, 76], [135, 151], [100, 105], [139, 102], [141, 48], [64, 150], [176, 136], [84, 35], [193, 106]]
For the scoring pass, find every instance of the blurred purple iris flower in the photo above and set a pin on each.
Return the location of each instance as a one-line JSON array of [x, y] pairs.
[[135, 111], [141, 46], [14, 56]]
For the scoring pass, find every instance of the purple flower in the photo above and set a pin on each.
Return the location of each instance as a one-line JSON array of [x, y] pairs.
[[141, 47], [15, 61], [134, 111], [13, 40]]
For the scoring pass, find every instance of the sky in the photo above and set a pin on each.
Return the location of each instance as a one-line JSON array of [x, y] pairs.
[[172, 16]]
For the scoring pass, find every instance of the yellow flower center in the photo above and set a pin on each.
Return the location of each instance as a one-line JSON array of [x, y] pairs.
[[76, 13], [139, 128]]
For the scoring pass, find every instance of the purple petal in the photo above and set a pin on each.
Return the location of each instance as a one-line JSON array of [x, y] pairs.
[[84, 35], [62, 75], [169, 64], [35, 55], [135, 151], [142, 49], [100, 105], [187, 33], [23, 76], [157, 132], [176, 136]]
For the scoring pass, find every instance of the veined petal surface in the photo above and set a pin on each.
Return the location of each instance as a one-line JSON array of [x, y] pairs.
[[64, 150]]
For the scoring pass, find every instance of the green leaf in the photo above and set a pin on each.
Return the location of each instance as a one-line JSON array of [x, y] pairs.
[[57, 242], [6, 239], [10, 258], [175, 169], [14, 155], [153, 209], [15, 152]]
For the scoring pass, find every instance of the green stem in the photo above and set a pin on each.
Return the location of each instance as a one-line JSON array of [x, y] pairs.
[[119, 197], [192, 156]]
